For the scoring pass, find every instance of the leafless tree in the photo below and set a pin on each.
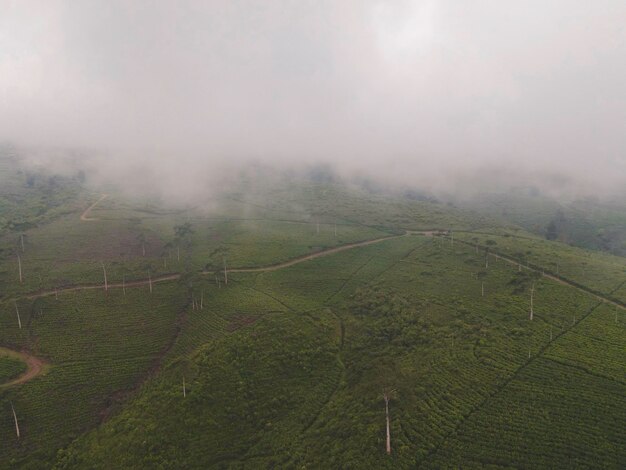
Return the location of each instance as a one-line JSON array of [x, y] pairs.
[[17, 427], [482, 288], [17, 311], [19, 266], [532, 293], [106, 284], [225, 273], [387, 394]]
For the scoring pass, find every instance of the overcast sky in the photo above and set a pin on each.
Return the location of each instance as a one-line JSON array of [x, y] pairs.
[[415, 91]]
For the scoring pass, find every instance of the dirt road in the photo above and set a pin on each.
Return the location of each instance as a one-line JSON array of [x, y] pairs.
[[85, 215], [174, 276], [35, 366]]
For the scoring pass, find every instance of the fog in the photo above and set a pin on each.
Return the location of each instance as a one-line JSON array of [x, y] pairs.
[[440, 95]]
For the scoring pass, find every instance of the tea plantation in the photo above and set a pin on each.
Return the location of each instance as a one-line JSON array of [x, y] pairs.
[[234, 336]]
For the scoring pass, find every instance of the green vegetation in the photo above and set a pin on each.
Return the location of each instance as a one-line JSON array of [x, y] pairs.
[[285, 367], [586, 223], [10, 368], [597, 271]]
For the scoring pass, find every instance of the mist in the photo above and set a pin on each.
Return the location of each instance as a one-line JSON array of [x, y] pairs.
[[446, 96]]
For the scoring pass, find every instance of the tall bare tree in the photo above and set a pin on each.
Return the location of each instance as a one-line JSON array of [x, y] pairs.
[[387, 394], [532, 293], [17, 427], [106, 284], [19, 267], [17, 311]]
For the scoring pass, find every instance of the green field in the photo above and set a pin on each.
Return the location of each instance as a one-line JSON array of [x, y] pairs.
[[10, 368], [285, 367]]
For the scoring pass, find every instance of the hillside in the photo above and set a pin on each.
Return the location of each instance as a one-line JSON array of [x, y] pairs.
[[588, 223], [260, 329]]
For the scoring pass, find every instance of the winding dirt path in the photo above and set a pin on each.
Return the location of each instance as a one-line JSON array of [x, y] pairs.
[[35, 366], [303, 258], [319, 254], [175, 276], [85, 215], [114, 285]]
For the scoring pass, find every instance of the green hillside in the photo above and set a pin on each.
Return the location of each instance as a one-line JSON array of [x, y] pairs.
[[261, 329]]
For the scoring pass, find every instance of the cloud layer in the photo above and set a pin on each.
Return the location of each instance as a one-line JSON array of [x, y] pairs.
[[416, 92]]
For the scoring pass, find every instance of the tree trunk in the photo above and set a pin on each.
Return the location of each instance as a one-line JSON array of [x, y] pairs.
[[17, 311], [388, 430], [225, 273], [184, 388], [19, 265], [106, 284], [17, 427], [22, 241], [532, 292], [150, 282]]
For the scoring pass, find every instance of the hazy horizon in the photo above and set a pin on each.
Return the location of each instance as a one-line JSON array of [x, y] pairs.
[[444, 96]]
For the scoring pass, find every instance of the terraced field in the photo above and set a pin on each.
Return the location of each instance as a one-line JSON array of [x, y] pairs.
[[281, 361], [452, 355], [598, 271]]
